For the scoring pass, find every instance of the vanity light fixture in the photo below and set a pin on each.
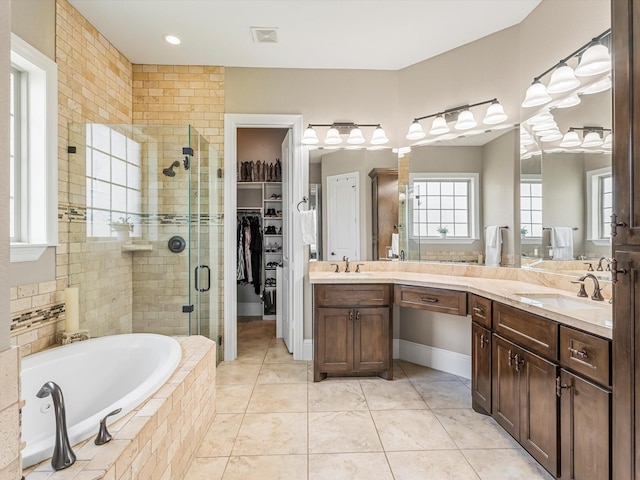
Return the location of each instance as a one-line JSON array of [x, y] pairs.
[[593, 137], [608, 142], [570, 101], [599, 86], [338, 129], [594, 59], [462, 115], [570, 139]]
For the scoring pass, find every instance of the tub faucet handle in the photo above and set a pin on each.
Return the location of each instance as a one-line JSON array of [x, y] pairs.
[[103, 434]]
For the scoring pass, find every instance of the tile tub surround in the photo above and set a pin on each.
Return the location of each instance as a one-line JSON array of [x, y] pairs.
[[499, 284], [159, 438], [10, 466]]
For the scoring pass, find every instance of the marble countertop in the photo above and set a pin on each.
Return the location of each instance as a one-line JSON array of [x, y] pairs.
[[595, 317]]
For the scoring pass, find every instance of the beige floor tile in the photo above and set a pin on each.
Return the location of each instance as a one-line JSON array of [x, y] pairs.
[[278, 354], [232, 398], [253, 358], [219, 439], [335, 396], [279, 397], [349, 466], [392, 395], [432, 465], [342, 432], [272, 467], [469, 429], [451, 394], [402, 430], [419, 373], [234, 373], [272, 434], [509, 464], [283, 373], [207, 468], [398, 372]]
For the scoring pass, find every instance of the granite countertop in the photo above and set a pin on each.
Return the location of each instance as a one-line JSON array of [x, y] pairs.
[[595, 317]]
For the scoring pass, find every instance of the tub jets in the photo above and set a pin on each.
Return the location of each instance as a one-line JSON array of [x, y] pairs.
[[63, 456]]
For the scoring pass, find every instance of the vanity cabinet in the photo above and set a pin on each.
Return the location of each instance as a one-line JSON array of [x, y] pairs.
[[433, 299], [524, 400], [352, 330], [480, 369]]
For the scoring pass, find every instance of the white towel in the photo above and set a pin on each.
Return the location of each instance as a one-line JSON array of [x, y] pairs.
[[562, 243], [493, 246], [308, 227], [395, 244]]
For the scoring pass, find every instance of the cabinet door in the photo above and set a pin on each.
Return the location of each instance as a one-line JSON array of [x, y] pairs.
[[371, 339], [334, 343], [506, 386], [585, 431], [481, 369], [538, 409]]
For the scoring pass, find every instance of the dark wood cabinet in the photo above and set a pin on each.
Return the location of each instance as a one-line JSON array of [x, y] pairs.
[[480, 309], [352, 330], [434, 299], [384, 209], [480, 369], [585, 432], [524, 400]]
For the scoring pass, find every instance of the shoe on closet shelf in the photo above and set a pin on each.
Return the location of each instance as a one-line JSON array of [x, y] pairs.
[[280, 231]]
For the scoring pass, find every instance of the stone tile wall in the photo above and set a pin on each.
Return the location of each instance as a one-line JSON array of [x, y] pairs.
[[10, 467]]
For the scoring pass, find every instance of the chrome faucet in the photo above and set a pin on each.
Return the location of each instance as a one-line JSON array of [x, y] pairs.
[[599, 268], [63, 456], [346, 264], [596, 295]]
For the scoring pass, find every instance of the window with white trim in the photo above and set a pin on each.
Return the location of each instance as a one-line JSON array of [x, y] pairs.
[[34, 152], [443, 201], [114, 181], [531, 207], [600, 204]]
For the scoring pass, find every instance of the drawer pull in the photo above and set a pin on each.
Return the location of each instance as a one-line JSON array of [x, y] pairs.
[[351, 316], [560, 387], [478, 310], [484, 341], [358, 316], [519, 362], [510, 358], [578, 353], [429, 299]]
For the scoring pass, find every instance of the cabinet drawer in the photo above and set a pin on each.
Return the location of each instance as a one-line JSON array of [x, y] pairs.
[[348, 295], [480, 310], [536, 333], [435, 299], [585, 354]]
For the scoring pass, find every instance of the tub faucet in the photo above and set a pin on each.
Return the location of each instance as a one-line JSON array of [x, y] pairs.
[[599, 268], [346, 264], [596, 295], [63, 456]]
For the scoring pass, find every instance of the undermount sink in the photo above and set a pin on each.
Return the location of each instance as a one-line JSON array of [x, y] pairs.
[[558, 301]]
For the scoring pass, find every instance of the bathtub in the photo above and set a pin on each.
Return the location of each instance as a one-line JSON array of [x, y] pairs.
[[96, 376]]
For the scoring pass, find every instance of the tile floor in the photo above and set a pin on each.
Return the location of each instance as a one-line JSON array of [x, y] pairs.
[[274, 422]]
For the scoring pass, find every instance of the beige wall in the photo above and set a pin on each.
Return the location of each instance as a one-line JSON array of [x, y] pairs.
[[437, 330], [35, 22]]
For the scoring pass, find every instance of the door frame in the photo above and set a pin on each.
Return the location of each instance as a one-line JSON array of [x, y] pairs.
[[299, 179]]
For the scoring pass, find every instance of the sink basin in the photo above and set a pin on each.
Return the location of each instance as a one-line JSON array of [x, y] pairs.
[[558, 301]]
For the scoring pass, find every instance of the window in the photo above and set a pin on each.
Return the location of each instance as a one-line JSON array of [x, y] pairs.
[[600, 205], [444, 201], [114, 182], [531, 207], [33, 152]]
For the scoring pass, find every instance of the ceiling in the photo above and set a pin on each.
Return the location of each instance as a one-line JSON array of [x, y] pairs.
[[339, 34]]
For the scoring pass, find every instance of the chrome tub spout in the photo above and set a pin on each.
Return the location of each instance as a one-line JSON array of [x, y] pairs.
[[63, 456]]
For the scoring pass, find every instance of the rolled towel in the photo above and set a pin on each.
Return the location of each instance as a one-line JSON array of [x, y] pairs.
[[395, 244], [493, 246]]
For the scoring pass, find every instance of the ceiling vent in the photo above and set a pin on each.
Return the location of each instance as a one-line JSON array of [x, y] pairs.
[[264, 34]]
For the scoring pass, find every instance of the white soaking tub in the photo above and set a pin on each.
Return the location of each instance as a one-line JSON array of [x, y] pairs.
[[96, 376]]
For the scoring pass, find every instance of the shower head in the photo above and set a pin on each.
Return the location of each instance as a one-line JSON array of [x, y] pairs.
[[169, 171]]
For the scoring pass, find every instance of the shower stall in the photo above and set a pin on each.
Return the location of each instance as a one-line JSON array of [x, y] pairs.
[[144, 237]]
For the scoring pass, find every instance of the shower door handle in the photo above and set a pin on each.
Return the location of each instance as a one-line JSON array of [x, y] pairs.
[[197, 276]]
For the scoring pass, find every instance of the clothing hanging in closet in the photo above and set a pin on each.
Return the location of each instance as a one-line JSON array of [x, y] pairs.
[[249, 245]]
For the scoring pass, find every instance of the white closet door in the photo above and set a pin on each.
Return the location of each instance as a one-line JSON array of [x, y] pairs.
[[343, 217], [284, 301]]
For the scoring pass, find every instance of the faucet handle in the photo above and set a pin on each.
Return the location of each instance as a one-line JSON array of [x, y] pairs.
[[590, 268], [582, 292], [358, 267], [103, 434], [337, 270]]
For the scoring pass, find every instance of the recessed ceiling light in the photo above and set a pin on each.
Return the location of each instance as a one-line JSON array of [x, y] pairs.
[[172, 39]]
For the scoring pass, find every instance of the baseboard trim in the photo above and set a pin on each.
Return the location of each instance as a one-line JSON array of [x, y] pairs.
[[308, 350], [436, 358], [396, 348]]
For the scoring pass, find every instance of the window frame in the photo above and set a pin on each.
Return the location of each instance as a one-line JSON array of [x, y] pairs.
[[38, 152], [473, 211], [530, 178], [14, 155], [594, 205]]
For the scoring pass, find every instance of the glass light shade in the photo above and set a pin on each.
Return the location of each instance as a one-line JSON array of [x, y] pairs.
[[562, 80], [495, 114], [570, 139], [536, 95], [570, 101], [608, 142], [592, 139], [594, 60], [379, 137], [600, 86], [415, 131], [526, 141], [355, 137], [547, 133], [439, 126], [465, 121], [551, 137], [540, 118], [333, 137], [538, 127], [309, 137]]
